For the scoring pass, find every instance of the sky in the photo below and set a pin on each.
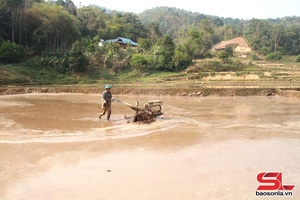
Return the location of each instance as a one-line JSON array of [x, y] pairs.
[[247, 9]]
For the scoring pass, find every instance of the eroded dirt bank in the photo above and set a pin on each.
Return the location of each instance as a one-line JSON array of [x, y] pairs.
[[156, 91]]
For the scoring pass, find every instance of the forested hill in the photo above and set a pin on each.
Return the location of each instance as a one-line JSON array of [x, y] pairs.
[[171, 20], [56, 35], [265, 35]]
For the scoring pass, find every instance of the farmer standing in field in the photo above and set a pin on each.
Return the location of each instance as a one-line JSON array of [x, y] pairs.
[[106, 99]]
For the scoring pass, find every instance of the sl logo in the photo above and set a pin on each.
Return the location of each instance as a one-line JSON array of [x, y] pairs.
[[272, 181]]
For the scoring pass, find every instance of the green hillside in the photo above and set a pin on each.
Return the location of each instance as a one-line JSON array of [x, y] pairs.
[[54, 42]]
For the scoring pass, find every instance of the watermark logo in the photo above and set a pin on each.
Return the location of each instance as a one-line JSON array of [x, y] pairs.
[[271, 185]]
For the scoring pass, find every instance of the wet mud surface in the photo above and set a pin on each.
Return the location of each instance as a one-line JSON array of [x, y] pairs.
[[53, 146]]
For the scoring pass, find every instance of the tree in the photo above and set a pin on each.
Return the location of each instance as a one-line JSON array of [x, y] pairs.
[[70, 7], [258, 33], [77, 60], [116, 27], [14, 8], [60, 3], [195, 44], [223, 55], [153, 32], [207, 26], [163, 53], [291, 44], [277, 35], [115, 58], [229, 51], [11, 52], [53, 27], [144, 44], [134, 27], [182, 57], [139, 61], [92, 21], [274, 56]]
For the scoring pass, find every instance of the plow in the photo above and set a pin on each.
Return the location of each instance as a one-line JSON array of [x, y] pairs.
[[146, 114]]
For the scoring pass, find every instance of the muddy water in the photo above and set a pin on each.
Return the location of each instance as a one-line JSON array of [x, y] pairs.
[[55, 147]]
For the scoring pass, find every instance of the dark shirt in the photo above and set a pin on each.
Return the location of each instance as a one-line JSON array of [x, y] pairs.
[[106, 96]]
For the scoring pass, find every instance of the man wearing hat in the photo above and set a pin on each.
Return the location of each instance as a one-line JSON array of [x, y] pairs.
[[106, 99]]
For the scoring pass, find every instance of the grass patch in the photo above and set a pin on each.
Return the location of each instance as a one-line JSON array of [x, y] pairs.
[[21, 74], [13, 74]]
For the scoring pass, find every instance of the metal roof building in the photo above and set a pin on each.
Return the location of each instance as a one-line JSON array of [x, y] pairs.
[[122, 41]]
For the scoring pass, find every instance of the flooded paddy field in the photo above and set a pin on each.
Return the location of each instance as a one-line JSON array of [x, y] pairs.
[[53, 146]]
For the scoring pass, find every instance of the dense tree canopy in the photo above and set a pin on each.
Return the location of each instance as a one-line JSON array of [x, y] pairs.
[[60, 33]]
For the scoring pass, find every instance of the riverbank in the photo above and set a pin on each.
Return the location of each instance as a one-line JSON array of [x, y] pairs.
[[157, 90]]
